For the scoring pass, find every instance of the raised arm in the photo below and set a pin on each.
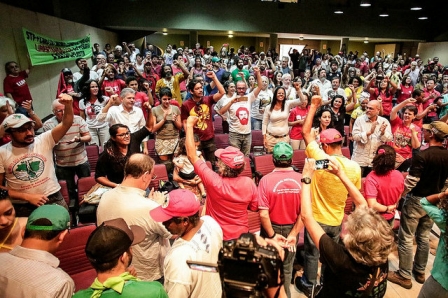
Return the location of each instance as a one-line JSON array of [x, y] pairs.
[[217, 96], [308, 136], [259, 81], [398, 107], [189, 139], [67, 119]]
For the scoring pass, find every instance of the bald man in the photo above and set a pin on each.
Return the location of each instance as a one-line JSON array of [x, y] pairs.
[[70, 152], [369, 132]]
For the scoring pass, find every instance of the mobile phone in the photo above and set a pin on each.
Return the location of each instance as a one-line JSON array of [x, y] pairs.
[[321, 164], [202, 266]]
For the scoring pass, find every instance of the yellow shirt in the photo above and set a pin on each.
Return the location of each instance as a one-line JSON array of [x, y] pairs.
[[327, 191], [174, 85]]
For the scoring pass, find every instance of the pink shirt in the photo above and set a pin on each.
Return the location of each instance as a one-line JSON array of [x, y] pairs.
[[402, 136], [228, 200], [385, 189], [297, 114]]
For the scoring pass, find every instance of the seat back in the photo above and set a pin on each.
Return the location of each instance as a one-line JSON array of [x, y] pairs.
[[64, 191], [73, 258], [263, 165], [93, 153], [84, 185], [160, 173], [298, 159], [247, 172], [221, 140], [152, 149], [217, 124], [346, 132], [346, 152], [257, 139]]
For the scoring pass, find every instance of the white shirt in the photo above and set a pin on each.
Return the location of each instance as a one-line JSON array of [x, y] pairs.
[[241, 107], [322, 86], [134, 119], [130, 204], [364, 147], [77, 75], [180, 280]]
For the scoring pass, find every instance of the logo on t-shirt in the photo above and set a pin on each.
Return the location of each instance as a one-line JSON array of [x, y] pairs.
[[243, 115], [29, 168], [202, 111]]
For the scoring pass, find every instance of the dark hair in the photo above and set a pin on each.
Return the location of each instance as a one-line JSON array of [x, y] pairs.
[[162, 71], [274, 78], [384, 162], [176, 56], [192, 84], [320, 111], [181, 145], [79, 59], [412, 109], [7, 65], [111, 147], [225, 77], [138, 164], [403, 81], [350, 81], [86, 92], [282, 163], [416, 93], [165, 91], [274, 99], [130, 79], [42, 235], [226, 85], [139, 55], [227, 171]]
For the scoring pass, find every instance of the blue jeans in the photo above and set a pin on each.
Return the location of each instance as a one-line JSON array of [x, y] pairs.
[[255, 123], [288, 262], [431, 288], [241, 142], [413, 221], [68, 174], [312, 254]]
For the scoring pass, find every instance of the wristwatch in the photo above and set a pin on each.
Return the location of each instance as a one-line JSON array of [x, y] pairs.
[[306, 180]]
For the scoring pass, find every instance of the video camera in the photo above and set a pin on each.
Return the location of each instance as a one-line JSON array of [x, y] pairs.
[[247, 268]]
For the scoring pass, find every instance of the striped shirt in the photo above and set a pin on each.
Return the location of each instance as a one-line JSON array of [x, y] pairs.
[[33, 273], [69, 155]]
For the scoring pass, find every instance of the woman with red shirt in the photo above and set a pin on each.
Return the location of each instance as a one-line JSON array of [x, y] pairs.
[[383, 93], [295, 121], [405, 90], [406, 135]]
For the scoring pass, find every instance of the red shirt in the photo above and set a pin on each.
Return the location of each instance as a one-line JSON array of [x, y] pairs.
[[386, 101], [228, 200], [402, 136], [297, 114], [203, 110], [427, 93], [404, 93], [17, 87], [139, 99], [386, 189], [116, 85]]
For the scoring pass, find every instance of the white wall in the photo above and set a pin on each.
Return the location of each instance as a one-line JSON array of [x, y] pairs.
[[43, 79], [429, 50]]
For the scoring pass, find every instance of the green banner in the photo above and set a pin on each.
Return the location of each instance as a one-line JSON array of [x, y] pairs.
[[45, 50]]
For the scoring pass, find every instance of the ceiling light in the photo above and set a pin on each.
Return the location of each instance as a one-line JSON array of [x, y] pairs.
[[384, 13], [416, 7], [230, 35], [423, 18], [338, 11], [230, 32], [366, 41], [365, 3], [301, 37], [165, 33]]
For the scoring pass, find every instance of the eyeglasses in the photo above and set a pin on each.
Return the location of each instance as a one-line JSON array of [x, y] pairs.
[[122, 135], [24, 128], [61, 111]]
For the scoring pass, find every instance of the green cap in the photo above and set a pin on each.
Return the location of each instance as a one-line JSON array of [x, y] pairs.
[[56, 214], [282, 151]]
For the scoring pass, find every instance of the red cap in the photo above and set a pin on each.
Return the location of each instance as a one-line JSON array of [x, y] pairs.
[[179, 203], [330, 135], [231, 156]]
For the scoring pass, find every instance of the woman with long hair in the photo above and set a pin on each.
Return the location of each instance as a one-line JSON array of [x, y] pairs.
[[384, 185], [358, 267], [276, 80], [436, 285], [322, 120], [11, 227], [337, 108], [90, 105], [167, 124], [384, 92], [122, 144], [405, 89], [197, 69], [275, 127]]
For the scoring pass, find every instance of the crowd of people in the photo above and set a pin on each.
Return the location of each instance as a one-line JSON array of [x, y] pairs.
[[390, 111]]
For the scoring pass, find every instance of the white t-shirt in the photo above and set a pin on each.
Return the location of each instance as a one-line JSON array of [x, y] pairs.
[[30, 169], [92, 110], [263, 100], [77, 75], [180, 280], [238, 115]]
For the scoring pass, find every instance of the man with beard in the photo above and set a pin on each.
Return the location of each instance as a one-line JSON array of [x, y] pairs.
[[236, 73], [201, 106], [172, 81], [109, 251], [322, 81], [82, 65], [27, 162], [238, 114], [327, 95]]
